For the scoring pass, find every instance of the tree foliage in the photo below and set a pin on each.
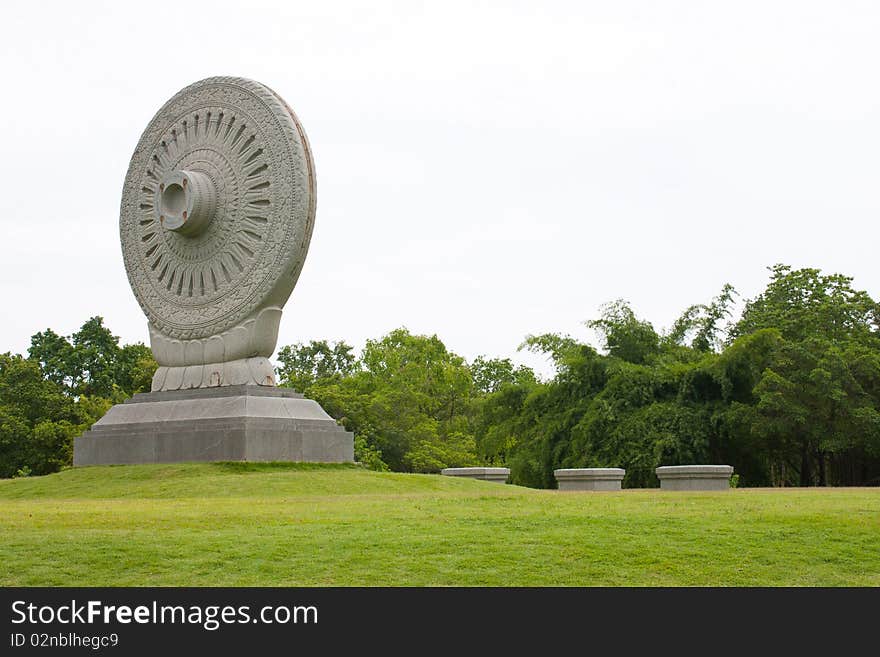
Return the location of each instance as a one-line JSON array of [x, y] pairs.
[[789, 394], [814, 405], [91, 362], [37, 420], [624, 335], [63, 387], [300, 366], [700, 325], [406, 397]]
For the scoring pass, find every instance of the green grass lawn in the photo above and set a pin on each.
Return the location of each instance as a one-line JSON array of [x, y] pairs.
[[303, 525]]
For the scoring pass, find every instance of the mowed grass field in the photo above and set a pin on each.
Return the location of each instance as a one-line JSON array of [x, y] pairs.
[[309, 525]]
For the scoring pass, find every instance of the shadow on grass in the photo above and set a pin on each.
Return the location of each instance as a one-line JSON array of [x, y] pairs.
[[246, 467]]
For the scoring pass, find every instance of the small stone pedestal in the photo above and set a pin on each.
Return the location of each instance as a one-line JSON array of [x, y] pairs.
[[694, 477], [231, 423], [589, 478], [498, 475]]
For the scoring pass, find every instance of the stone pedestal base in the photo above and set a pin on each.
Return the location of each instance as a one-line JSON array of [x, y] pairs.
[[694, 477], [232, 423], [498, 475], [589, 478]]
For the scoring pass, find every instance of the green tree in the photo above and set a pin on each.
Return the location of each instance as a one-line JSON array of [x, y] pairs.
[[135, 369], [91, 362], [531, 425], [407, 398], [62, 388], [54, 353], [96, 356], [420, 401], [37, 420], [699, 326], [490, 374], [625, 336], [805, 303], [814, 406], [301, 365]]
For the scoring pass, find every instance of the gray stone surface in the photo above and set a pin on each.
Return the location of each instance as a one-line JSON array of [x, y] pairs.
[[211, 393], [499, 475], [236, 423], [217, 213], [694, 477], [589, 478]]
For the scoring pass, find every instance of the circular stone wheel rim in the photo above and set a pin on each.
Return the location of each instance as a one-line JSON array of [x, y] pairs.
[[294, 185]]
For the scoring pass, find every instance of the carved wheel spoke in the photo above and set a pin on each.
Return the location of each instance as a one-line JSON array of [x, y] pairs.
[[218, 207]]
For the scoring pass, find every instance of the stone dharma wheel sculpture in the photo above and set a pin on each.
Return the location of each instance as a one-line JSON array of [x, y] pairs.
[[217, 214]]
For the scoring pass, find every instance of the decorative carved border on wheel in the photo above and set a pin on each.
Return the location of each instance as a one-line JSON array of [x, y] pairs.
[[192, 306]]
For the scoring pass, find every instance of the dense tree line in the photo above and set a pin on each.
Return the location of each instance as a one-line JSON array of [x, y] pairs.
[[788, 393], [63, 387]]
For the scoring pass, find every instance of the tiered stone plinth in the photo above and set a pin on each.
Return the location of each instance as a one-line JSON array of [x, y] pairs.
[[694, 477], [589, 478], [232, 423], [498, 475]]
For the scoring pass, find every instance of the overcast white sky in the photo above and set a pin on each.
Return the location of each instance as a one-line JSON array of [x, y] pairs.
[[485, 169]]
